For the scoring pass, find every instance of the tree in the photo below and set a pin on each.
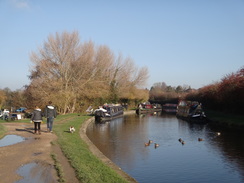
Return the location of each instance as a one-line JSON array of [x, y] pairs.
[[179, 89], [2, 98], [226, 95], [162, 93], [72, 74]]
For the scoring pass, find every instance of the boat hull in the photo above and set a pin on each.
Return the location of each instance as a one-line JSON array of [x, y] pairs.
[[199, 120], [107, 118]]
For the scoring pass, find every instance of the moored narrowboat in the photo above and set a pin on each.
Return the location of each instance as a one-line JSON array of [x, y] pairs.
[[148, 108], [191, 111], [108, 112]]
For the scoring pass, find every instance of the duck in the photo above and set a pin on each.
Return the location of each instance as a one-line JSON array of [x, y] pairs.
[[180, 140], [156, 145], [200, 139], [183, 142], [150, 141], [147, 144]]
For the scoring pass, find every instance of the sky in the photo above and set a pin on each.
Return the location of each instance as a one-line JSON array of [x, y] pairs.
[[181, 42]]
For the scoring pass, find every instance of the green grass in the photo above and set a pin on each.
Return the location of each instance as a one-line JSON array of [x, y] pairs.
[[27, 120], [87, 166], [2, 131], [58, 168], [226, 118]]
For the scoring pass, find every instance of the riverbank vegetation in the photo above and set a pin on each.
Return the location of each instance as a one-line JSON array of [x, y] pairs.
[[88, 168], [223, 101], [225, 119], [226, 95]]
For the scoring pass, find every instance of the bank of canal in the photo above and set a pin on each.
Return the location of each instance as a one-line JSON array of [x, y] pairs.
[[218, 158]]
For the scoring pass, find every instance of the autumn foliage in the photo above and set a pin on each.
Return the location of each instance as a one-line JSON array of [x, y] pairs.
[[226, 95], [74, 74]]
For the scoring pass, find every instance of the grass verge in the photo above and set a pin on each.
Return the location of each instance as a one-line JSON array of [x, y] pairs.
[[2, 131], [88, 167], [58, 168], [225, 118]]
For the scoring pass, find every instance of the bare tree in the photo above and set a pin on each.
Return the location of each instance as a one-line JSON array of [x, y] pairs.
[[70, 73]]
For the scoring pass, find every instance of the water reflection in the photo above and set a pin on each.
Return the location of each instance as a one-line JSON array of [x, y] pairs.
[[215, 159], [36, 172], [10, 140]]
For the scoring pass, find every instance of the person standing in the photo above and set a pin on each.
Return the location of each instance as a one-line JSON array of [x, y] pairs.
[[37, 119], [50, 114]]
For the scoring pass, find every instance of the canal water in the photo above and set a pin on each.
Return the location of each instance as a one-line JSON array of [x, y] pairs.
[[219, 157]]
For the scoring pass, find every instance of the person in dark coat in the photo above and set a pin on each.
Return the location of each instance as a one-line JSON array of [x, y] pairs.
[[50, 114], [37, 119]]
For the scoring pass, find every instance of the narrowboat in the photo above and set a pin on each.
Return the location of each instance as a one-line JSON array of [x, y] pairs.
[[148, 108], [108, 112], [191, 111]]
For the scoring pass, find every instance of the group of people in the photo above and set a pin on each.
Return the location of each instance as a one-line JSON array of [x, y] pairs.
[[37, 115]]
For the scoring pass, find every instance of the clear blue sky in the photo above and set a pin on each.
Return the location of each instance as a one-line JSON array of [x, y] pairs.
[[182, 42]]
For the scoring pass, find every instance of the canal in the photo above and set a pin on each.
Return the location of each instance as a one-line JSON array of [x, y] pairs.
[[217, 158]]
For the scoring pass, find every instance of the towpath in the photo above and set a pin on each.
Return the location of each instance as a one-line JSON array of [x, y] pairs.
[[34, 149]]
